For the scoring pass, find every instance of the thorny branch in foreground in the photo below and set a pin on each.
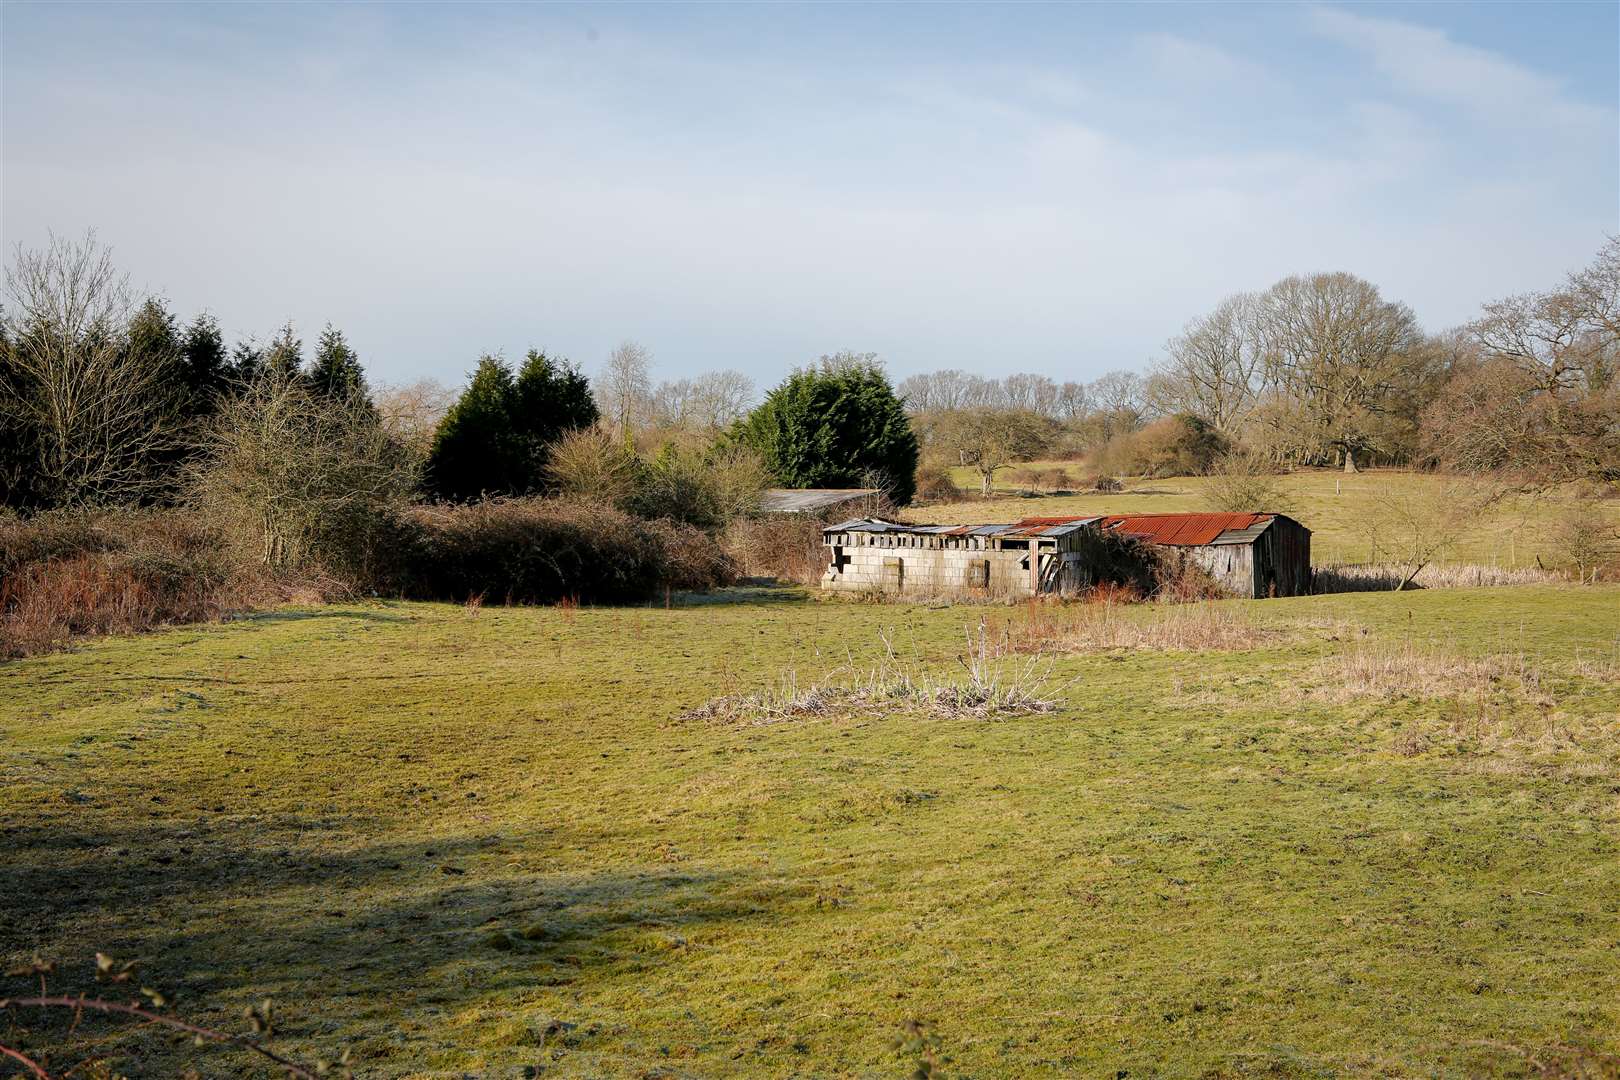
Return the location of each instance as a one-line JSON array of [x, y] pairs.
[[259, 1018]]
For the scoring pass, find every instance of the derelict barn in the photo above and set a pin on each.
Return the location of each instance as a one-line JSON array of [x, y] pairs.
[[1249, 555], [1023, 559]]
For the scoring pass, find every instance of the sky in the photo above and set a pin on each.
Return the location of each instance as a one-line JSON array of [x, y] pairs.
[[1011, 187]]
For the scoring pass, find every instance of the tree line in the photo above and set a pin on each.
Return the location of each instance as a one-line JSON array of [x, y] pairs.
[[1321, 370], [108, 399]]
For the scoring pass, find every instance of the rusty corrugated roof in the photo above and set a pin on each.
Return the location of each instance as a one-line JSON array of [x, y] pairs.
[[1181, 530]]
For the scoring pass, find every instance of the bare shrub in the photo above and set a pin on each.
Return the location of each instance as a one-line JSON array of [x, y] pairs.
[[302, 480], [1056, 479], [991, 682], [691, 559], [64, 576], [1242, 482], [1105, 484], [532, 550], [934, 485], [1383, 577], [594, 464], [783, 546], [1027, 480], [698, 487], [1180, 580]]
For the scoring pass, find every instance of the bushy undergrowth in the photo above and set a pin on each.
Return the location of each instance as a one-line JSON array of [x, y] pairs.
[[545, 550], [70, 575], [934, 485], [67, 575], [783, 546]]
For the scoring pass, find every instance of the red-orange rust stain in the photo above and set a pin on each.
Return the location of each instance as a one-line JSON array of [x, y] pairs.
[[1182, 530]]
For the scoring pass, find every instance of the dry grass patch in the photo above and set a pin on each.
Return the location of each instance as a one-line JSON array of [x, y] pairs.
[[1384, 669], [1378, 577], [1088, 628], [988, 681]]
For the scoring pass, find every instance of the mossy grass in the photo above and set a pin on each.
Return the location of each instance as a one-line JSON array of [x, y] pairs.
[[486, 843]]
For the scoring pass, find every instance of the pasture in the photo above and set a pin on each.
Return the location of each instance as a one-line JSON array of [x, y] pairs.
[[1339, 835], [1341, 510]]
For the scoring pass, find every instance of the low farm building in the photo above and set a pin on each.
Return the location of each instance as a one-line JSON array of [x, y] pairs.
[[1250, 555], [1022, 559]]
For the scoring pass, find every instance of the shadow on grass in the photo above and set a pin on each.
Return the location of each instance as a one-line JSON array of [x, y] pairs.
[[751, 591], [355, 942]]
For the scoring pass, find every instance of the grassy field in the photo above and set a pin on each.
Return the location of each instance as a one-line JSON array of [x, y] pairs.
[[490, 845], [1337, 508]]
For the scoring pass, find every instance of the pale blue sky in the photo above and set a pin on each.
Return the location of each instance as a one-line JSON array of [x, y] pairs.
[[1013, 187]]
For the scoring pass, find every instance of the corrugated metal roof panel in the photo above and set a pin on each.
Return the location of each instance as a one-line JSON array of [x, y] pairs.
[[1244, 536], [808, 500], [1182, 530], [863, 525]]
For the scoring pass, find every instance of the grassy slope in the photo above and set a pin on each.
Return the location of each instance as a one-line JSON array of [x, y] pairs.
[[1179, 872], [1335, 507]]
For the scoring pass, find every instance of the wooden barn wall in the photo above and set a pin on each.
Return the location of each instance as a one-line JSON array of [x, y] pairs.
[[1231, 565], [1282, 557]]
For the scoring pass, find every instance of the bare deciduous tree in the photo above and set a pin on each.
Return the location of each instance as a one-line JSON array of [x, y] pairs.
[[411, 412], [100, 407], [708, 403], [624, 388], [1411, 527], [1343, 353], [1215, 366], [1550, 372], [991, 439], [1585, 537]]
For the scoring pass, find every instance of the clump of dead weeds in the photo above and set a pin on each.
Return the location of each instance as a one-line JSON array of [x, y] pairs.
[[987, 681]]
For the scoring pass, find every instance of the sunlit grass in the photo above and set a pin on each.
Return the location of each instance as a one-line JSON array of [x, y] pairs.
[[1336, 508], [482, 845]]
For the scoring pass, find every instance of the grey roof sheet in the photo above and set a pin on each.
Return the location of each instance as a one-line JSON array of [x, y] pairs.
[[809, 500]]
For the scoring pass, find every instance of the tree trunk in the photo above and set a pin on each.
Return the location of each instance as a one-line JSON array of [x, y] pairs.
[[1349, 460]]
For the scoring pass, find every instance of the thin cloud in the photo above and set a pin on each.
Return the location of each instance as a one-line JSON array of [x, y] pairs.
[[1429, 63]]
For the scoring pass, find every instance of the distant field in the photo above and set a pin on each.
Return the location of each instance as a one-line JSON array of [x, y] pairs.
[[1336, 508], [488, 845]]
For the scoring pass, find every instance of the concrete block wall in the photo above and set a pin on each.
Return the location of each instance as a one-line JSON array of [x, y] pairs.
[[927, 571]]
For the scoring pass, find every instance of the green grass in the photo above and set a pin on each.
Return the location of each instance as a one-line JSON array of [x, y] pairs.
[[483, 845], [1337, 508]]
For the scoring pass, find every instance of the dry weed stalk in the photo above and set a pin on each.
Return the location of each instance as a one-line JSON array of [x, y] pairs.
[[1378, 577], [148, 1008], [1161, 628], [993, 682]]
